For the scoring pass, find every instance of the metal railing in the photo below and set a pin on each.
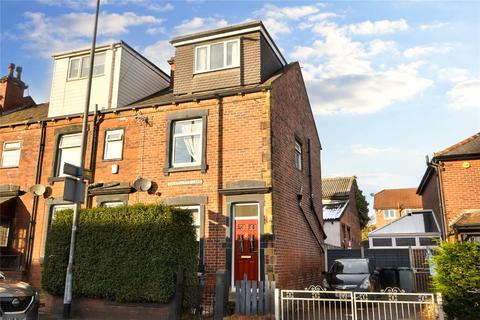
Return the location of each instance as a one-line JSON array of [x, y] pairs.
[[390, 304]]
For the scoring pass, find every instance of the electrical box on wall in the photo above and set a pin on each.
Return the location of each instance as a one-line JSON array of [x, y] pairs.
[[114, 168]]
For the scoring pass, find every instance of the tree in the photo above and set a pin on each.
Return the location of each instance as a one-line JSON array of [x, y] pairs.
[[366, 230], [362, 206]]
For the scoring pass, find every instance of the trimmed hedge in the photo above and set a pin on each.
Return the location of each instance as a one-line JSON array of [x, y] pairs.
[[124, 254], [457, 277]]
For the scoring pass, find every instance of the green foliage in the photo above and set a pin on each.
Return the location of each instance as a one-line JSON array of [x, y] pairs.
[[457, 268], [362, 206], [366, 230], [125, 254]]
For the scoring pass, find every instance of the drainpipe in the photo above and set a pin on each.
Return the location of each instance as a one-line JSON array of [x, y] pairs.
[[438, 166], [33, 218], [310, 184], [93, 153]]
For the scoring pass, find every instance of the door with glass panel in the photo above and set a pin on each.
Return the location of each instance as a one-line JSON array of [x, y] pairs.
[[246, 241]]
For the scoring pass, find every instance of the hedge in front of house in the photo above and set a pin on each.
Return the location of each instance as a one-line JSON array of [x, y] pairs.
[[457, 277], [124, 254]]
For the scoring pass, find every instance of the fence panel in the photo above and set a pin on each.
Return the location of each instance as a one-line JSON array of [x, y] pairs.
[[254, 297]]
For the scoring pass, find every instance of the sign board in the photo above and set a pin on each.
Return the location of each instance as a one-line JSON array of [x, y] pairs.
[[76, 171], [74, 190]]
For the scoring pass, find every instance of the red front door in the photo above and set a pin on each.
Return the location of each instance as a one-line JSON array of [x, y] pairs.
[[246, 249]]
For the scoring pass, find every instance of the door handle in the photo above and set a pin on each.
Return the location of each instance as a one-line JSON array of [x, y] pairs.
[[240, 243]]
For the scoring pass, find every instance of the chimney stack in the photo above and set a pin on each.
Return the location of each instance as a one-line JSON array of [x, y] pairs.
[[18, 74], [11, 67], [172, 64]]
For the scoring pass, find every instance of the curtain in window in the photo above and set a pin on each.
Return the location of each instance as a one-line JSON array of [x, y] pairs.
[[193, 143]]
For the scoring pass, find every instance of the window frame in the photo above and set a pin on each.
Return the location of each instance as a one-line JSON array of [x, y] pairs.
[[201, 230], [80, 66], [181, 135], [117, 203], [105, 143], [389, 217], [19, 150], [298, 155], [59, 153], [4, 238], [65, 206], [235, 62], [188, 114]]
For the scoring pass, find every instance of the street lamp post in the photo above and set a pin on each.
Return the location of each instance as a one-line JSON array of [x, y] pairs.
[[67, 298]]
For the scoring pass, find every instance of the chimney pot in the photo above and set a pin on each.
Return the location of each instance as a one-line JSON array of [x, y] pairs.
[[18, 73], [11, 67]]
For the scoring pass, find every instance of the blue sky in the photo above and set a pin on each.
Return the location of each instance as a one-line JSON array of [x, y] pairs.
[[389, 81]]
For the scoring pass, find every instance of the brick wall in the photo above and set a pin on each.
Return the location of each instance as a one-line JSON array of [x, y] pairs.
[[431, 201], [298, 259], [11, 94], [461, 187], [380, 220], [350, 219]]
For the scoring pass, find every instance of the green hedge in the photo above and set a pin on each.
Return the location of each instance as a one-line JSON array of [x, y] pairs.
[[457, 267], [125, 254]]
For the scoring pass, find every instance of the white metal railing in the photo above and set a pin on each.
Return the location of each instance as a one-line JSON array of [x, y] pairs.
[[389, 304]]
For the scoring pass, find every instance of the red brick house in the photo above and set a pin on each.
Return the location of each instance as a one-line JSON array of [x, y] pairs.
[[230, 136], [391, 204], [451, 188], [340, 214]]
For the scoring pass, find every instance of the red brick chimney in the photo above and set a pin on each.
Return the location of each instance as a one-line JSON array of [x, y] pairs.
[[12, 89]]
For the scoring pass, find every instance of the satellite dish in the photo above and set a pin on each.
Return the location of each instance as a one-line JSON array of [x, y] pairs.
[[38, 189], [142, 184]]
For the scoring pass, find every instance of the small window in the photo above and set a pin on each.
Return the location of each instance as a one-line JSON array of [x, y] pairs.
[[11, 154], [112, 204], [195, 210], [4, 231], [187, 143], [68, 152], [298, 155], [58, 208], [389, 214], [429, 241], [113, 145], [242, 210], [217, 56], [382, 242], [79, 67], [405, 242]]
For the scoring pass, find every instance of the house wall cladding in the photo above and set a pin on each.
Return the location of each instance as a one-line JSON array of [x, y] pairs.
[[293, 239], [249, 71], [461, 187]]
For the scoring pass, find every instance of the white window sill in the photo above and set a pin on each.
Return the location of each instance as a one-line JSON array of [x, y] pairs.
[[214, 70]]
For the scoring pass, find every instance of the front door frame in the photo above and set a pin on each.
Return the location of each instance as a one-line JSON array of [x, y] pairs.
[[234, 219]]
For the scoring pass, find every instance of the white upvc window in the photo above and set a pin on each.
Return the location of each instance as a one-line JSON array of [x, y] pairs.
[[113, 144], [217, 56], [60, 207], [389, 214], [11, 154], [298, 155], [68, 151], [195, 210], [4, 231], [187, 143], [79, 66]]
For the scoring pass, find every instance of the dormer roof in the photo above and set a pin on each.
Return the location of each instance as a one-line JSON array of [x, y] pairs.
[[229, 31]]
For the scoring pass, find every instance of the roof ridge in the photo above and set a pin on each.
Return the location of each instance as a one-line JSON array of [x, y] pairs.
[[458, 144]]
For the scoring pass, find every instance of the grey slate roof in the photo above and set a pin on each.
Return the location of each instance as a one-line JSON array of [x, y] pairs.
[[28, 115], [334, 210], [471, 145]]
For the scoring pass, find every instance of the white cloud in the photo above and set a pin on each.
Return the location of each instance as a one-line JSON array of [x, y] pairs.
[[378, 27], [159, 53], [453, 74], [433, 26], [418, 51], [465, 94], [47, 34], [291, 13], [198, 24], [154, 31], [72, 4]]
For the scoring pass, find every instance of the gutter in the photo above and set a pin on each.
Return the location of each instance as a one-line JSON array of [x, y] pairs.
[[33, 218], [438, 167]]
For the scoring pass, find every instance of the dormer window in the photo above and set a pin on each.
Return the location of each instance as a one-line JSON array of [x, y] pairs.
[[217, 56], [79, 66]]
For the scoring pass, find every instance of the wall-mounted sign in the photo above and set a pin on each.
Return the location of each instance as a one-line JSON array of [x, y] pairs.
[[185, 182]]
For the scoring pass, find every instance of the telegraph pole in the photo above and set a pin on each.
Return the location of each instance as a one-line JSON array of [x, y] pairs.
[[67, 297]]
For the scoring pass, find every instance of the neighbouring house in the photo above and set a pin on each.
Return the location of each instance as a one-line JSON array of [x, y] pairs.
[[391, 204], [414, 229], [12, 89], [451, 188], [340, 214], [230, 136]]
